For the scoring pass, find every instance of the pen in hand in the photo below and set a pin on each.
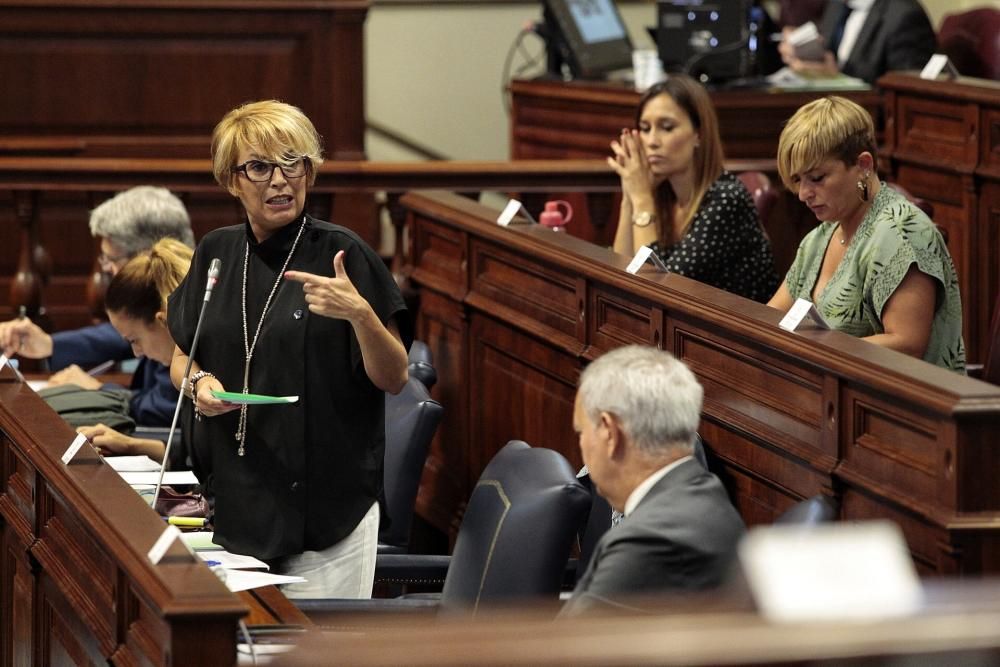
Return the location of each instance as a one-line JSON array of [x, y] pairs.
[[22, 314], [100, 368]]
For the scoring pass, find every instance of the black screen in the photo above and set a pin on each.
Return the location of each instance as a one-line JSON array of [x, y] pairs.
[[705, 37], [587, 35]]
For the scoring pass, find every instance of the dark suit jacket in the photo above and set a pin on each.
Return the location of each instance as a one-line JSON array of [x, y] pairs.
[[896, 35], [153, 394], [682, 536]]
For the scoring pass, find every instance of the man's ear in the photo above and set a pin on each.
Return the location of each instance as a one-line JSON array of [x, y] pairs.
[[614, 437], [161, 317]]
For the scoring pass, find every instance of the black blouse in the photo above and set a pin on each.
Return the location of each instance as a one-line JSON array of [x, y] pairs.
[[724, 245], [312, 469]]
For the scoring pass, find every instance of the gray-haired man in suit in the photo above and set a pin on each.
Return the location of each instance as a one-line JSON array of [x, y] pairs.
[[637, 412]]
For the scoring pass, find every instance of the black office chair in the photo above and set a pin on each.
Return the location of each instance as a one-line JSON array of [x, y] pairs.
[[809, 512], [421, 364], [411, 418], [515, 537]]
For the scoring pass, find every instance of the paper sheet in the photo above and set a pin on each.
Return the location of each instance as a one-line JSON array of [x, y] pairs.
[[242, 580], [132, 463]]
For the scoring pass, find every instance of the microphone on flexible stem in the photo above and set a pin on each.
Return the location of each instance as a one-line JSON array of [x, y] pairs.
[[213, 278]]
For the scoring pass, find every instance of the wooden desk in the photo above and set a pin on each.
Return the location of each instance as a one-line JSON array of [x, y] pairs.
[[513, 314], [961, 631], [578, 119], [943, 144], [76, 587]]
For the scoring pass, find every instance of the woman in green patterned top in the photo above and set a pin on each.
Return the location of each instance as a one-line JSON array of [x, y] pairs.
[[877, 267]]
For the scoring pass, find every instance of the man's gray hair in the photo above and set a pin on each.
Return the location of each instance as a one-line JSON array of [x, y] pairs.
[[137, 218], [655, 397]]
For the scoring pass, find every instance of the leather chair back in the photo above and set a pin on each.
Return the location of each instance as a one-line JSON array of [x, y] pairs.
[[764, 196], [421, 364], [517, 531], [809, 512], [411, 418], [971, 40]]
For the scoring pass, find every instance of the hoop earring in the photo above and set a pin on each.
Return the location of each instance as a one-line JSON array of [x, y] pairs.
[[863, 187]]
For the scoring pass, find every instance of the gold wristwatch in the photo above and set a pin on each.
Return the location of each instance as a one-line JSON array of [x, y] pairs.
[[642, 219]]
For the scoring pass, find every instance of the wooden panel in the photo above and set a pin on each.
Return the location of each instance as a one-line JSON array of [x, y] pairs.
[[899, 452], [947, 136], [619, 319], [501, 280], [82, 69], [445, 485], [928, 545], [521, 388], [786, 415], [928, 127], [756, 392]]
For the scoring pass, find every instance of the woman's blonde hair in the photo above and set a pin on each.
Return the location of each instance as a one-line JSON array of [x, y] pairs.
[[279, 132], [830, 127], [141, 288], [693, 99]]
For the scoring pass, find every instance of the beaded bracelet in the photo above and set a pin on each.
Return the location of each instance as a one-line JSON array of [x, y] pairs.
[[200, 375]]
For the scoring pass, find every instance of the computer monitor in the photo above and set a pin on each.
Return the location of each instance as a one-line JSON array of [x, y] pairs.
[[712, 39], [589, 36]]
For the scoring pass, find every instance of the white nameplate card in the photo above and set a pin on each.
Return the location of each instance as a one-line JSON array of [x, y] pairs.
[[646, 254], [858, 571], [163, 543], [74, 447], [937, 65], [800, 310], [512, 208], [4, 361]]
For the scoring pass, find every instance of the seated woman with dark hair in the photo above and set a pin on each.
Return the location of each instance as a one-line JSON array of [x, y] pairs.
[[677, 199], [877, 267], [136, 302]]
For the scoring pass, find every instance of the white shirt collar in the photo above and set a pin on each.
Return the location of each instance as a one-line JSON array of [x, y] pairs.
[[639, 492], [860, 5]]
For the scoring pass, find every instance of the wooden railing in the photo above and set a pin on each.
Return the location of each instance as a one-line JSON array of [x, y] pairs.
[[47, 199]]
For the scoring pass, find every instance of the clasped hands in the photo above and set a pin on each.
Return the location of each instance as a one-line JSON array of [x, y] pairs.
[[632, 166]]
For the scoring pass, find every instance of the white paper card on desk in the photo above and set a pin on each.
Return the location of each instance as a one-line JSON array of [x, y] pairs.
[[74, 447], [643, 255], [163, 543], [937, 65], [836, 571], [512, 208], [801, 309]]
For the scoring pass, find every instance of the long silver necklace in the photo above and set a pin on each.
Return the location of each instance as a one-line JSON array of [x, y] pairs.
[[248, 345]]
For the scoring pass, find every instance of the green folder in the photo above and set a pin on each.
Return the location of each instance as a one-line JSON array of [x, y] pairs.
[[252, 399]]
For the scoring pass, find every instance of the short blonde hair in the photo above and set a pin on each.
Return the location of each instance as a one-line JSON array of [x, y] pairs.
[[830, 127], [279, 132]]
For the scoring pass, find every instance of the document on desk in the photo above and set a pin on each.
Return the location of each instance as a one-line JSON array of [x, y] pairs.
[[139, 463], [171, 477], [243, 580], [231, 561]]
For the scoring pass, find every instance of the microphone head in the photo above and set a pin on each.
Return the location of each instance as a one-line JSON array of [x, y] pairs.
[[213, 269]]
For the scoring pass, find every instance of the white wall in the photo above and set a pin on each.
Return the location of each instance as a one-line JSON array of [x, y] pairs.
[[434, 71]]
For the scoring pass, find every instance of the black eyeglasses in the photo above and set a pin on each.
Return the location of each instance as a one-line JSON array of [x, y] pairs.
[[260, 171]]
